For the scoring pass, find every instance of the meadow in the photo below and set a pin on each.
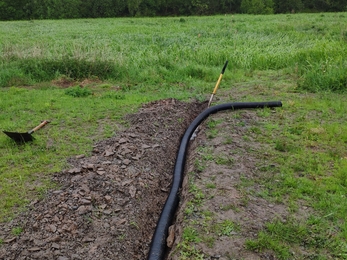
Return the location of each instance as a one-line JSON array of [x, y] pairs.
[[171, 50], [131, 61]]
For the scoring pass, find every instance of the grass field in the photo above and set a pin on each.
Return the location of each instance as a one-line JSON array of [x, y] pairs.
[[170, 50], [131, 61]]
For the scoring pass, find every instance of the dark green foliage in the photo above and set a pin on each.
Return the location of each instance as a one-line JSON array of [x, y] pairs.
[[12, 10], [62, 9], [13, 77], [29, 70], [257, 6], [195, 72], [78, 92], [288, 6], [113, 95], [47, 69]]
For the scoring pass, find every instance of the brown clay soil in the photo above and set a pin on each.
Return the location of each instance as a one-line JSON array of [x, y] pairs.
[[108, 204]]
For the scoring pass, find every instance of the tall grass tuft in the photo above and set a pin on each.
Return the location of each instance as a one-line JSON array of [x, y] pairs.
[[30, 70], [325, 76]]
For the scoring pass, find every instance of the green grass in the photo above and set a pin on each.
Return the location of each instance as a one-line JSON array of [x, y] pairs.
[[190, 235], [17, 231], [302, 165], [224, 228], [157, 50], [79, 117], [311, 166], [315, 235], [298, 58]]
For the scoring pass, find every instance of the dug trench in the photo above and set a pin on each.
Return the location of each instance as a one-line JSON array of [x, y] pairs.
[[107, 204]]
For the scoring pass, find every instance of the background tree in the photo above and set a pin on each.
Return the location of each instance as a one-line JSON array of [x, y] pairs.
[[64, 9], [338, 6], [288, 6], [199, 7], [257, 6], [134, 7], [12, 10]]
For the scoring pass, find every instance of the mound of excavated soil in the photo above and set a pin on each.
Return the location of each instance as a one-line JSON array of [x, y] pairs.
[[108, 204]]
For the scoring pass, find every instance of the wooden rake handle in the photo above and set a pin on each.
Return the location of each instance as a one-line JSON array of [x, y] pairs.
[[43, 123]]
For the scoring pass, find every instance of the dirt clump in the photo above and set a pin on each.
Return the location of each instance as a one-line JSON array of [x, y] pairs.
[[108, 204]]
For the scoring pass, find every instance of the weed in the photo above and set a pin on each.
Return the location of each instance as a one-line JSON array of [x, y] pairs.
[[224, 228], [266, 242], [17, 231], [212, 133], [88, 219], [199, 166], [281, 146], [229, 207], [244, 200], [228, 140], [222, 160], [189, 209], [255, 130], [187, 251], [190, 235], [197, 194], [121, 237], [207, 156], [207, 214], [78, 92], [212, 123], [209, 240], [211, 185], [246, 138], [134, 224]]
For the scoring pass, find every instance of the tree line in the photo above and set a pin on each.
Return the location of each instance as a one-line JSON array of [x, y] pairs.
[[65, 9]]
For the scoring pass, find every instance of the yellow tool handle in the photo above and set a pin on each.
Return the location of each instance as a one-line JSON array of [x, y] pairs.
[[220, 78], [43, 123], [217, 84]]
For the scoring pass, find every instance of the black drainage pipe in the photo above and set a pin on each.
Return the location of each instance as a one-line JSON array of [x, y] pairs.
[[158, 244]]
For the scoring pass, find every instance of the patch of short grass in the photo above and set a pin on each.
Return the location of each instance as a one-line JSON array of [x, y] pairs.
[[17, 231], [210, 185], [224, 160], [267, 242], [224, 228], [187, 251], [191, 235], [309, 165], [315, 235]]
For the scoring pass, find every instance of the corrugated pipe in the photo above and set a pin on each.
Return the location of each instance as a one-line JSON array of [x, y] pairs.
[[158, 245]]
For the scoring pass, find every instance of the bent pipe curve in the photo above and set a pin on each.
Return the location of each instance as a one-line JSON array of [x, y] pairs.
[[158, 244]]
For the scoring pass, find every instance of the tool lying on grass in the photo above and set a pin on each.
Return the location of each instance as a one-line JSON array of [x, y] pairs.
[[25, 137], [218, 82]]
